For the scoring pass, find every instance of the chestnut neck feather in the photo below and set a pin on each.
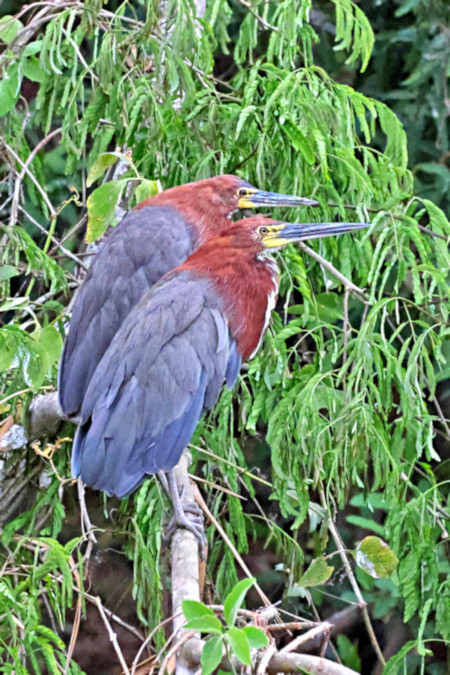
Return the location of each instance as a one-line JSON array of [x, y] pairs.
[[244, 282], [206, 205]]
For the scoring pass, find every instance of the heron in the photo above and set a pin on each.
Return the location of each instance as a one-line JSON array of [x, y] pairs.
[[159, 234]]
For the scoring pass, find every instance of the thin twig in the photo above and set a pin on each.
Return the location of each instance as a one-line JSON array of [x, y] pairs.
[[112, 636], [265, 659], [136, 663], [263, 22], [201, 502], [220, 488], [335, 272], [57, 244], [323, 627], [131, 629], [86, 525], [33, 179], [21, 175], [174, 649], [351, 577]]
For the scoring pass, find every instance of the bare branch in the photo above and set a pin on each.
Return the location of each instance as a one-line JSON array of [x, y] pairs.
[[351, 577], [112, 637], [185, 563], [21, 175], [348, 285], [278, 663], [201, 502], [323, 628]]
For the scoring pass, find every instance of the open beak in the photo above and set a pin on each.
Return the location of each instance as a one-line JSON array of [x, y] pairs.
[[286, 233], [271, 199]]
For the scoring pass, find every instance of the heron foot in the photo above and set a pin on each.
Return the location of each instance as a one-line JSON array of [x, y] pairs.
[[191, 523], [187, 514]]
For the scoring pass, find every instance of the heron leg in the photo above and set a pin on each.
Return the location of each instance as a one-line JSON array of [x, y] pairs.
[[193, 523]]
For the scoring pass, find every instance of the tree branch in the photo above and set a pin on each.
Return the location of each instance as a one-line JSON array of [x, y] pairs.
[[351, 577], [278, 663], [185, 564]]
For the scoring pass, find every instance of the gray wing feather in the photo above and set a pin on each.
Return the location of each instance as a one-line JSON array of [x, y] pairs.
[[145, 245], [163, 368]]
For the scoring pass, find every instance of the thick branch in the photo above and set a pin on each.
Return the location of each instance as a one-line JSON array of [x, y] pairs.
[[279, 663], [185, 564]]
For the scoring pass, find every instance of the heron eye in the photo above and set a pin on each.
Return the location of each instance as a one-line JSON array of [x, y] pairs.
[[242, 192], [263, 230]]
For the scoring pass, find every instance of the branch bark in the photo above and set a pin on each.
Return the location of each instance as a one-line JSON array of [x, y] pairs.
[[279, 663], [185, 565]]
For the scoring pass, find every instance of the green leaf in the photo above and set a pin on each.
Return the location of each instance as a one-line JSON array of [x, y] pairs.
[[211, 655], [32, 69], [9, 27], [102, 163], [234, 600], [193, 609], [8, 271], [375, 557], [317, 573], [52, 342], [205, 624], [9, 89], [239, 644], [348, 653], [394, 663], [368, 524], [101, 204], [146, 189], [257, 639], [299, 140]]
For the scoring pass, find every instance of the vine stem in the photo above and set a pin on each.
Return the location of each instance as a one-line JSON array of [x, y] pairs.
[[354, 584]]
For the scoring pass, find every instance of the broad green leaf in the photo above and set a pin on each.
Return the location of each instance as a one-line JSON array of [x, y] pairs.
[[9, 89], [234, 600], [239, 644], [32, 48], [8, 271], [52, 342], [146, 189], [193, 609], [375, 557], [348, 653], [102, 163], [205, 624], [317, 573], [32, 69], [211, 655], [35, 366], [257, 639], [9, 27], [101, 204]]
